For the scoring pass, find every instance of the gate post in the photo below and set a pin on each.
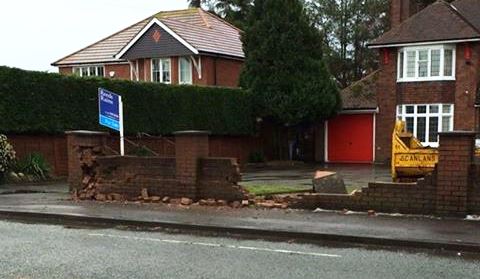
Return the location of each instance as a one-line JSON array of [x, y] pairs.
[[456, 153], [190, 147]]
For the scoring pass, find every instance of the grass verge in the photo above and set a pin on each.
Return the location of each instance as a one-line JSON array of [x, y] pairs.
[[271, 189]]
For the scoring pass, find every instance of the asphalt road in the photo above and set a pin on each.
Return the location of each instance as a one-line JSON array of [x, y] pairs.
[[47, 251]]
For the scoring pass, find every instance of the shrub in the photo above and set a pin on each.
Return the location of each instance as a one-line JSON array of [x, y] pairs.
[[35, 165], [256, 157], [7, 155], [36, 102]]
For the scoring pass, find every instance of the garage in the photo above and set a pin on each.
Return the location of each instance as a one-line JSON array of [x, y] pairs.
[[350, 138]]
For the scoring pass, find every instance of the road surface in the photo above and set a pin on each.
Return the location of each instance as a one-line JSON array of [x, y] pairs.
[[48, 251]]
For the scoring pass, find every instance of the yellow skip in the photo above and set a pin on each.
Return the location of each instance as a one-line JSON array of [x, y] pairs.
[[410, 160]]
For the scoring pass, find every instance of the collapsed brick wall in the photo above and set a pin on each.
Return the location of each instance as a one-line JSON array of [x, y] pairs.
[[128, 175], [408, 198], [218, 179]]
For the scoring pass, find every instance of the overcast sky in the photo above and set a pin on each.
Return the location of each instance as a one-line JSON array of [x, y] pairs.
[[35, 33]]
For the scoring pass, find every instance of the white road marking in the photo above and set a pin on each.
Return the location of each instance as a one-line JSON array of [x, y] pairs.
[[182, 242]]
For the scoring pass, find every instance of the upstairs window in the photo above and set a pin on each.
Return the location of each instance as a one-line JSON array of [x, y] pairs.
[[426, 63], [161, 70], [185, 71], [89, 71]]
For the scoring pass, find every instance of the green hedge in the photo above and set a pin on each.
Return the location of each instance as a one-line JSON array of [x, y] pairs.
[[36, 102]]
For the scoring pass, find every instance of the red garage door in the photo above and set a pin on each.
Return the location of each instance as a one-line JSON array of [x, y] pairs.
[[350, 138]]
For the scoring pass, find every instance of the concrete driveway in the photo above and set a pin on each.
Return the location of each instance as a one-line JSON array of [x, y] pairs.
[[355, 176]]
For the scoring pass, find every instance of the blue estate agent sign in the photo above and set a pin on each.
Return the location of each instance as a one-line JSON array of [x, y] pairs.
[[109, 105]]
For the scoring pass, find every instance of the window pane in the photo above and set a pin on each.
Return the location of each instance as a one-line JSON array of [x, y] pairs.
[[422, 109], [448, 63], [434, 109], [155, 70], [92, 71], [433, 129], [100, 72], [435, 71], [76, 71], [410, 109], [84, 72], [446, 123], [423, 63], [409, 124], [166, 70], [447, 109], [185, 71], [400, 64], [421, 128], [411, 63]]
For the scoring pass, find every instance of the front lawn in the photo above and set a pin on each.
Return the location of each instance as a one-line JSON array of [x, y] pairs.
[[271, 189]]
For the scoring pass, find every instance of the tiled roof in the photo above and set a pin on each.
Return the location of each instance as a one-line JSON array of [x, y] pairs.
[[204, 31], [361, 94], [439, 21]]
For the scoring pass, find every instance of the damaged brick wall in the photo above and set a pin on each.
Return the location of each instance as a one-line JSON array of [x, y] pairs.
[[408, 198], [191, 174], [452, 189], [218, 179]]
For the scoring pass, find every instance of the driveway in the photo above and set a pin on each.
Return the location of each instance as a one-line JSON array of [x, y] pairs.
[[355, 176]]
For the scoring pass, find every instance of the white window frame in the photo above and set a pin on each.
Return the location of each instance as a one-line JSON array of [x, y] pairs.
[[402, 115], [160, 67], [180, 71], [416, 49], [89, 74]]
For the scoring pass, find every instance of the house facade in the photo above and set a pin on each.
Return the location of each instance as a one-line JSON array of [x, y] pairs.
[[176, 47], [428, 76]]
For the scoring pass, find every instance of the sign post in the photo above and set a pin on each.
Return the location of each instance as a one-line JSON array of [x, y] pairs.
[[110, 107]]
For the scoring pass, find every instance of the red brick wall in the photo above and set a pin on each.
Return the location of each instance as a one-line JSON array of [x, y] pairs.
[[461, 93], [65, 70], [426, 92], [122, 71], [228, 72], [215, 71], [467, 73], [387, 102], [453, 172]]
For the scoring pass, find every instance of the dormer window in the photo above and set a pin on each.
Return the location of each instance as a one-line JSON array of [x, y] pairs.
[[426, 63]]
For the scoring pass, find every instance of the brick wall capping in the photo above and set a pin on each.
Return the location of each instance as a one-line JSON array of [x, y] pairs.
[[191, 133], [457, 133], [86, 133]]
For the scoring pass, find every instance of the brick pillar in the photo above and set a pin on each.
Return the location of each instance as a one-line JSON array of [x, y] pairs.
[[77, 143], [456, 153], [190, 147]]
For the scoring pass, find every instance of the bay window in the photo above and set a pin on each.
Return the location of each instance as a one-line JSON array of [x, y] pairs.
[[185, 70], [89, 71], [426, 63], [161, 70], [426, 121]]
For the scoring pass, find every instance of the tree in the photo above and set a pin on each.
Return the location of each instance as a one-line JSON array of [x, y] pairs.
[[284, 67], [234, 11], [347, 26], [195, 3]]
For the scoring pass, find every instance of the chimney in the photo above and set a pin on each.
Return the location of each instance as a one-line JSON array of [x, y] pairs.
[[400, 10]]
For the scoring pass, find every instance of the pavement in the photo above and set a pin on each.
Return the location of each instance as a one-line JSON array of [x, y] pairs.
[[37, 251], [308, 226]]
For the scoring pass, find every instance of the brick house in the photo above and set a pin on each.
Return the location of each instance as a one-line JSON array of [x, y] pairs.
[[428, 76], [176, 47]]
